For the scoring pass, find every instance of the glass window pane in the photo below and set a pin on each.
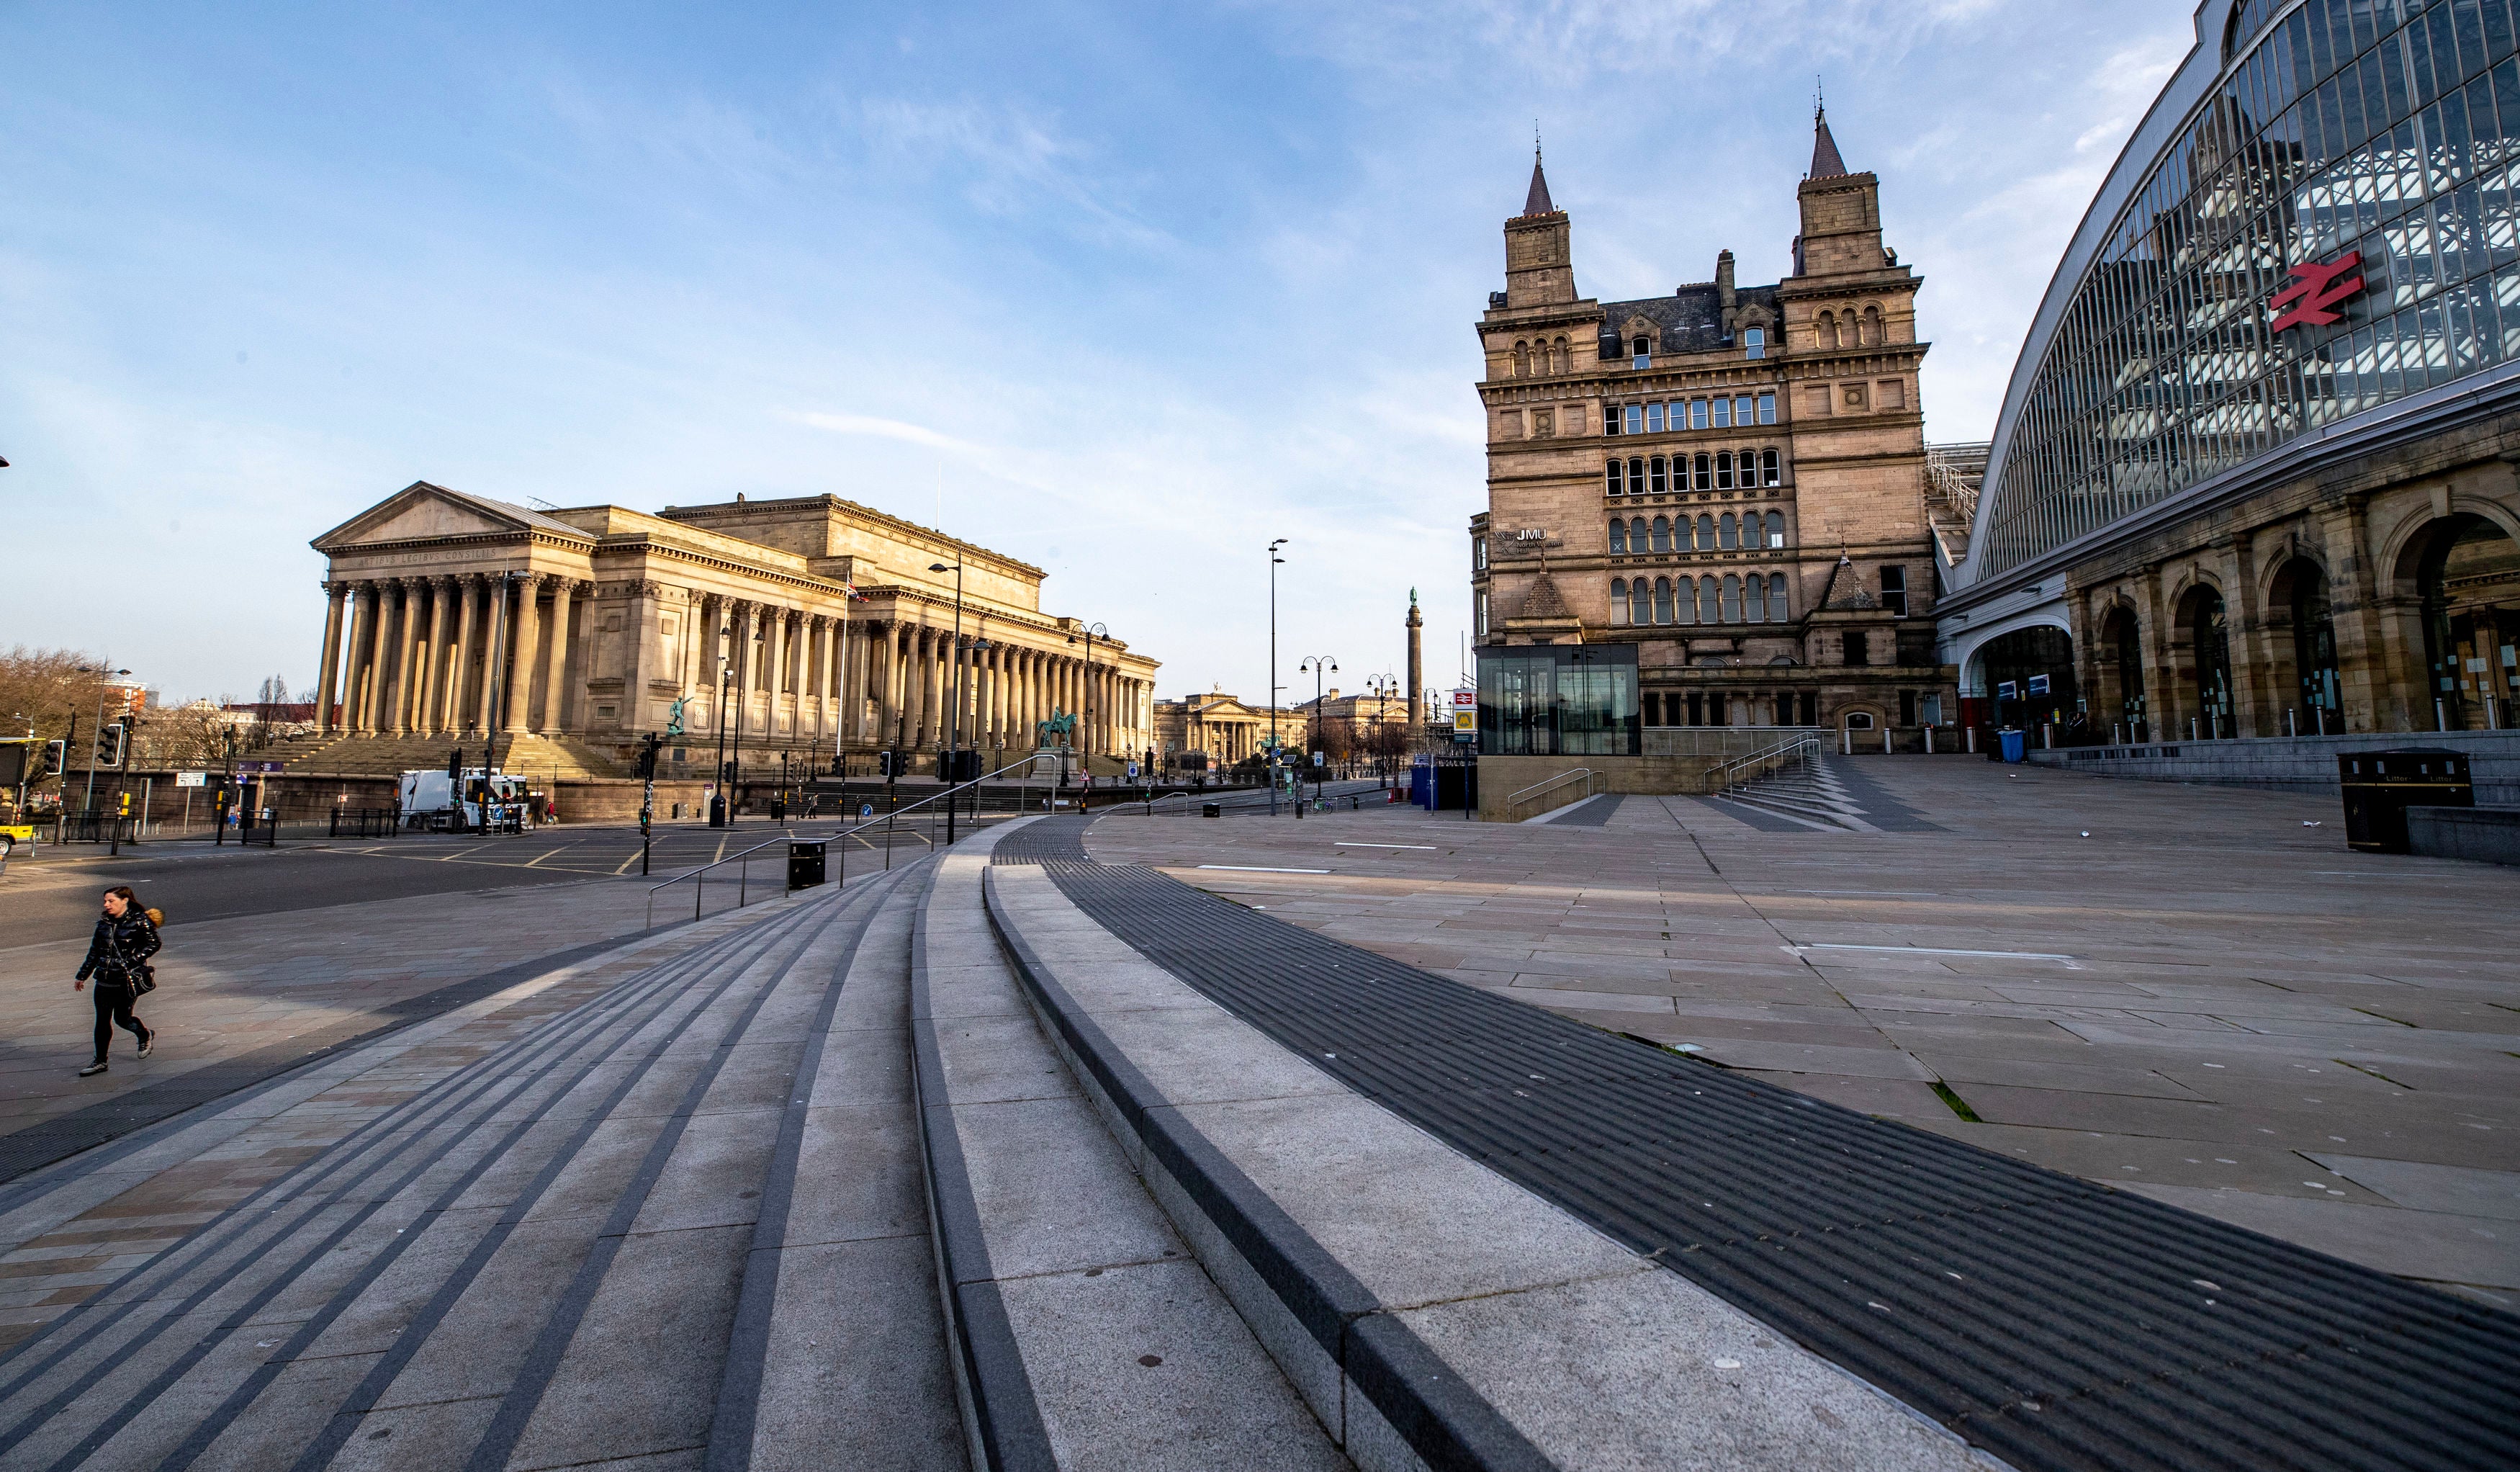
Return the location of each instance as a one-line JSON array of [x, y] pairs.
[[1654, 418], [1697, 413], [1767, 408], [1723, 413]]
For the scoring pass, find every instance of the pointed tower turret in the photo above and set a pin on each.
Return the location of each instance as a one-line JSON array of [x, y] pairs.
[[1826, 163], [1539, 250]]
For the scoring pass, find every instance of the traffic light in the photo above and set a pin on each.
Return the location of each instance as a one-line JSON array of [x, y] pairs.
[[109, 745], [455, 766], [648, 756], [883, 764], [57, 758]]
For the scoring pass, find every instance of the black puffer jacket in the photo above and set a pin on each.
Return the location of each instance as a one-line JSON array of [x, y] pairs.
[[120, 946]]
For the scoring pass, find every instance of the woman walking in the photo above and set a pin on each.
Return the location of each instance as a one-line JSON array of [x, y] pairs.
[[126, 936]]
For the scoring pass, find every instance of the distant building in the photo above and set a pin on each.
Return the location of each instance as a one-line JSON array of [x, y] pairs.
[[1220, 727], [579, 631], [1708, 508]]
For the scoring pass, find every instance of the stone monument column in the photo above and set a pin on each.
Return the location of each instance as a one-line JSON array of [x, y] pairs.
[[555, 673], [519, 659], [458, 665], [1416, 671]]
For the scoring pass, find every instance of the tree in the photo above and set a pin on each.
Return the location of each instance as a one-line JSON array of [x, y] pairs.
[[45, 688], [185, 737]]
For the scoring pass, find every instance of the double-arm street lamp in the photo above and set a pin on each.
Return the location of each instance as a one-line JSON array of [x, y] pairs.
[[1317, 666], [954, 724], [1085, 728]]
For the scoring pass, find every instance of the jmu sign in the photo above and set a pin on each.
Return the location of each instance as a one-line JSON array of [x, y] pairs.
[[2316, 287]]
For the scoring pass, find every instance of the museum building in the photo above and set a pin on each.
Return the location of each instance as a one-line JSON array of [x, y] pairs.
[[1708, 508], [2254, 473], [806, 627]]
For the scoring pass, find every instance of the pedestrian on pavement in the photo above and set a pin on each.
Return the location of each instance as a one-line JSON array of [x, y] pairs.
[[117, 956]]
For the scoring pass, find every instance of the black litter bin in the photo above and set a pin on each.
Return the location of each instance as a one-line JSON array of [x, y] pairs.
[[804, 863], [1211, 810], [2380, 786]]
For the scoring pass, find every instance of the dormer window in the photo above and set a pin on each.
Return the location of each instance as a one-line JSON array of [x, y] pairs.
[[1754, 342], [1644, 352]]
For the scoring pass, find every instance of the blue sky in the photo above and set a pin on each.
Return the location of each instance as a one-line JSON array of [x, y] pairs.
[[1123, 291]]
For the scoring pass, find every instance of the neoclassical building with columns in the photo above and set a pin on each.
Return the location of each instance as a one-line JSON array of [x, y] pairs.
[[806, 624]]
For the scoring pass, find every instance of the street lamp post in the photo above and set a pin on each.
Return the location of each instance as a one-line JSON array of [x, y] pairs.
[[1317, 666], [1274, 563], [720, 811], [954, 722], [1085, 737]]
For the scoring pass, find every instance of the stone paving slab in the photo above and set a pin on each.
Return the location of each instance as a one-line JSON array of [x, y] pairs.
[[2163, 987]]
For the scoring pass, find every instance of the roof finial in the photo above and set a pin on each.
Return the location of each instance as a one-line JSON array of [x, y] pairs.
[[1534, 140]]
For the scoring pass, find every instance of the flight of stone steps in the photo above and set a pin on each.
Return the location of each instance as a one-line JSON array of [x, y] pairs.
[[695, 1221], [529, 753], [1807, 792]]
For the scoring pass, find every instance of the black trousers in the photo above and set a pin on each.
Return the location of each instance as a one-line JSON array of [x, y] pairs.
[[113, 1009]]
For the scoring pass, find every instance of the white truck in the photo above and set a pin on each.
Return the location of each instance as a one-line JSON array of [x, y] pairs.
[[429, 799]]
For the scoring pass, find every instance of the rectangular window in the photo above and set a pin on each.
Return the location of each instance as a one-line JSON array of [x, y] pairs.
[[1678, 418], [1610, 419], [1612, 475], [1697, 413], [1635, 417], [1754, 343], [1723, 413], [1658, 482], [1906, 707], [1480, 553], [1705, 472], [1741, 409], [1856, 650], [1767, 408], [1768, 474], [1810, 707], [1894, 596], [1654, 418], [1643, 361], [1483, 615]]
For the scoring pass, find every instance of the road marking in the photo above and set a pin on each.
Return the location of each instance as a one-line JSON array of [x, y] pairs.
[[1262, 869], [1344, 844], [539, 858], [1937, 950], [1866, 893]]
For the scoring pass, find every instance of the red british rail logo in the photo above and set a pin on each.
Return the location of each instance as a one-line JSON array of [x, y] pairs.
[[2316, 287]]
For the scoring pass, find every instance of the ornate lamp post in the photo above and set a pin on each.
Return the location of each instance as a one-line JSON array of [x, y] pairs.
[[1317, 666], [1275, 561]]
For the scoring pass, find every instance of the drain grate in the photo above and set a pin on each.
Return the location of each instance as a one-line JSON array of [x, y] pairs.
[[2052, 1321]]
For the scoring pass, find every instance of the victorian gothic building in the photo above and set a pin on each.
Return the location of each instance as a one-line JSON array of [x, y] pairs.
[[1730, 481], [817, 624]]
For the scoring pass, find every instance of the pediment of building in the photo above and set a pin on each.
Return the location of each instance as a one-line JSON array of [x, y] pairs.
[[421, 512]]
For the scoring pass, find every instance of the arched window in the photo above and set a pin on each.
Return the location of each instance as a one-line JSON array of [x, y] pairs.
[[1614, 476], [1729, 534], [1724, 470], [1522, 361], [1662, 600], [1707, 612], [1776, 529], [1688, 601], [1619, 585], [1859, 720], [1872, 326], [1564, 359], [1661, 534], [1767, 468], [1731, 599], [1636, 474], [1706, 475], [1618, 536], [1754, 343], [1643, 350], [1641, 608], [1825, 330], [1706, 538], [1754, 600], [1777, 598], [1655, 467], [1637, 534]]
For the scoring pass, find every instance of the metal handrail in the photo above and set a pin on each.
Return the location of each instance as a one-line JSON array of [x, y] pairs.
[[1797, 748], [889, 821], [1561, 778]]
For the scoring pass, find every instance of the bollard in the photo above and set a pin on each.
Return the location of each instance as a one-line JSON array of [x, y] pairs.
[[2440, 718], [2192, 728], [1929, 740]]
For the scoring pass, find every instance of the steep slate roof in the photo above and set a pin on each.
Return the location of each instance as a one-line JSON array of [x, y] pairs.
[[1826, 162], [1692, 318], [1536, 201]]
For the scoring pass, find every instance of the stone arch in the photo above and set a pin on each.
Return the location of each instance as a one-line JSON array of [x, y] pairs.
[[2465, 648], [2304, 679], [1562, 358], [1824, 329], [2200, 656], [1871, 333], [1522, 361], [2117, 662]]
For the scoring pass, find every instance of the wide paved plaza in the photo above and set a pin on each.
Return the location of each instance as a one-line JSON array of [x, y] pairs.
[[2186, 991], [1367, 1138]]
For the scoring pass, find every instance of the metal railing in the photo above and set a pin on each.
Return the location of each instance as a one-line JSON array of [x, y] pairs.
[[1800, 751], [1550, 788], [363, 822], [891, 823]]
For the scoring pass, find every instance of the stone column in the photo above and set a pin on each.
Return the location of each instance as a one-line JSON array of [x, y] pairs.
[[331, 662], [800, 642], [521, 645], [353, 658], [556, 670], [453, 713], [397, 673], [432, 660]]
